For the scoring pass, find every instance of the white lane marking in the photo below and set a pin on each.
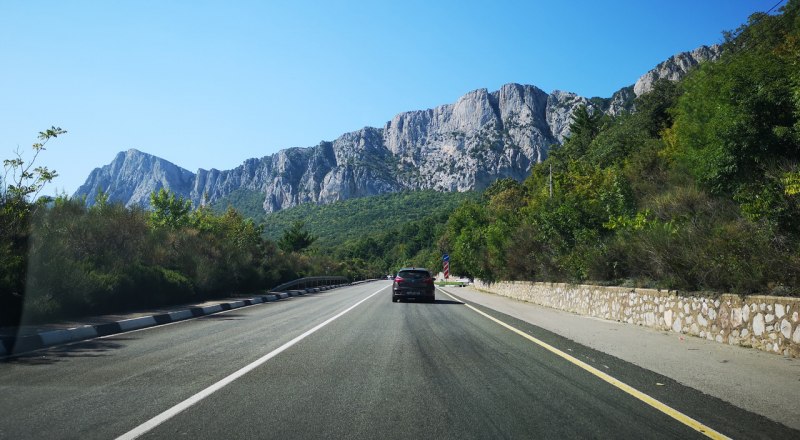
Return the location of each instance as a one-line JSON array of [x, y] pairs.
[[177, 409]]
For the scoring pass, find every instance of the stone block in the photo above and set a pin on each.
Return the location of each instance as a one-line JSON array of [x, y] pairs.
[[786, 329], [677, 325], [702, 321], [758, 324], [736, 317]]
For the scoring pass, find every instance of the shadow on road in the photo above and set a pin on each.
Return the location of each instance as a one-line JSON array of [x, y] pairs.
[[438, 301], [224, 317], [447, 301], [52, 355]]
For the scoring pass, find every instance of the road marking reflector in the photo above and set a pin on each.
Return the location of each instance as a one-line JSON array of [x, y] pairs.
[[664, 408], [186, 404]]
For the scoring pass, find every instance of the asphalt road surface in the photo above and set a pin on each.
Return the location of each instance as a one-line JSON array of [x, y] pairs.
[[349, 363]]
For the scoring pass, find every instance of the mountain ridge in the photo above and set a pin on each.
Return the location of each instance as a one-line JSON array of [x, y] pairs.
[[460, 146]]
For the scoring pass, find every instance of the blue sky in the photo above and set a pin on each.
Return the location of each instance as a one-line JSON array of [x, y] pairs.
[[208, 84]]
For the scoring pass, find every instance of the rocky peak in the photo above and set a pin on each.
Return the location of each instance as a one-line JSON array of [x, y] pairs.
[[132, 176], [676, 67]]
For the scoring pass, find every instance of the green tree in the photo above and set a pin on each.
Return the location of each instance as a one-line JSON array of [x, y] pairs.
[[20, 185], [296, 238], [585, 126], [169, 209], [465, 239], [737, 126], [22, 181]]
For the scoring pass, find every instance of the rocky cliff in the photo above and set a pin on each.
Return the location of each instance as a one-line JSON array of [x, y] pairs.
[[462, 146], [676, 67]]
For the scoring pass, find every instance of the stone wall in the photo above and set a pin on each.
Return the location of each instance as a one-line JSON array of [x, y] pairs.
[[769, 323]]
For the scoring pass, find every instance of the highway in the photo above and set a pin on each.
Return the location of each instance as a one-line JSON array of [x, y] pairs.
[[348, 363]]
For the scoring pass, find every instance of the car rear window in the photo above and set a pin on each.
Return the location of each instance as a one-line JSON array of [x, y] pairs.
[[414, 274]]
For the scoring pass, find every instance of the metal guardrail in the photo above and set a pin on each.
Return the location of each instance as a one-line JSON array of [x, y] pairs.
[[304, 283]]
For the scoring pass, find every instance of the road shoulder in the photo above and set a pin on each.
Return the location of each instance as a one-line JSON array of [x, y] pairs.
[[24, 339], [759, 382]]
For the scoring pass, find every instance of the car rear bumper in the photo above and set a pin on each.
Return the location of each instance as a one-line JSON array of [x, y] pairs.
[[406, 294]]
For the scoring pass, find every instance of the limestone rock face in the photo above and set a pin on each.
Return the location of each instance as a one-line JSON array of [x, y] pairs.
[[455, 147], [676, 67], [466, 145], [132, 176]]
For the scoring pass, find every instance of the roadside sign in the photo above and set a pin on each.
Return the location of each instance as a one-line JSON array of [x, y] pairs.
[[445, 257]]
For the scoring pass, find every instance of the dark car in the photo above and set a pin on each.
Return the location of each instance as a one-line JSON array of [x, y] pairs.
[[413, 283]]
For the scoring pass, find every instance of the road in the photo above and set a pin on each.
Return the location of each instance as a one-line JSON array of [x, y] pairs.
[[348, 363]]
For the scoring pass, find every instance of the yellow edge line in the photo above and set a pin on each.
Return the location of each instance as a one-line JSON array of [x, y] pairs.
[[675, 414]]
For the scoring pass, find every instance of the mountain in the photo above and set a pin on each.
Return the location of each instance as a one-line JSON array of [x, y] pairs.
[[132, 176], [676, 67], [461, 146]]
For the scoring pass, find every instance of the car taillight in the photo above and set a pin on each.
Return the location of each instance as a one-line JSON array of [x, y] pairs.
[[398, 280], [429, 281]]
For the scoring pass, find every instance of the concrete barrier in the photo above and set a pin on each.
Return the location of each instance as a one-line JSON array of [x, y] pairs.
[[137, 323], [180, 315], [42, 339]]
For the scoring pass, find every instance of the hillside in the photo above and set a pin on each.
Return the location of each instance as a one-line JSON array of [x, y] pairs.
[[339, 222]]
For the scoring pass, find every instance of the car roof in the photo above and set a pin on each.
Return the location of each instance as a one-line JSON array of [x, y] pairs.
[[413, 268]]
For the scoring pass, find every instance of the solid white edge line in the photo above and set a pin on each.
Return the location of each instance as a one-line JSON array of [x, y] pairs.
[[182, 406]]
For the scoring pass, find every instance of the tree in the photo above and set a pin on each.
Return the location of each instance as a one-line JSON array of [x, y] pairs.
[[21, 181], [169, 210], [296, 238], [465, 239], [737, 126], [20, 184], [586, 125]]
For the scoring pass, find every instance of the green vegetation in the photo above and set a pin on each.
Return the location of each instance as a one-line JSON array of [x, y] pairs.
[[296, 238], [415, 244], [378, 234], [248, 202], [697, 190], [108, 257], [346, 220], [21, 182], [60, 259]]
